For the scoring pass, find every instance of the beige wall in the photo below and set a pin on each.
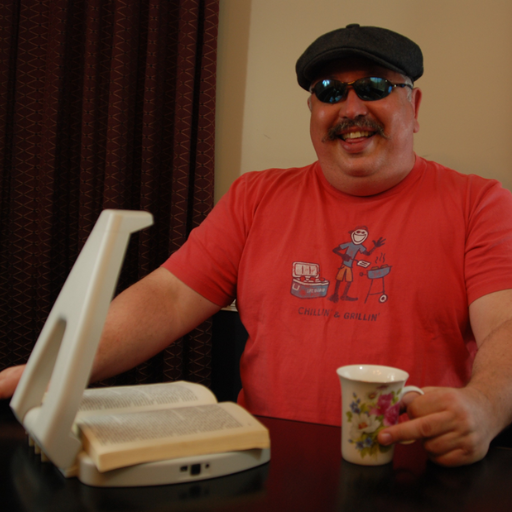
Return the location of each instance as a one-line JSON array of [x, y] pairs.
[[466, 114]]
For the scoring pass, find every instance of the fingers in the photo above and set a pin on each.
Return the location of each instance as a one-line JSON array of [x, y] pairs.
[[448, 421], [456, 450], [445, 446], [9, 379], [432, 414], [433, 400], [412, 430], [408, 398]]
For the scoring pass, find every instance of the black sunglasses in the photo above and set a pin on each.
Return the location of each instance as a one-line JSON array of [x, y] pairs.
[[371, 88]]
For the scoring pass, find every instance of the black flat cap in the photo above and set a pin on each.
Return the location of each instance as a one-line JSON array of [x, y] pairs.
[[384, 47]]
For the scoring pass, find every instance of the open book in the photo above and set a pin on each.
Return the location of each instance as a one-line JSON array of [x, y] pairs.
[[122, 426]]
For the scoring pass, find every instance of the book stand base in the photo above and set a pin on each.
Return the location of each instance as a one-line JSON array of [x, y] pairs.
[[172, 471]]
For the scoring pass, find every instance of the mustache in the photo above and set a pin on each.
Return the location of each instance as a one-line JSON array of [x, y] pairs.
[[362, 123]]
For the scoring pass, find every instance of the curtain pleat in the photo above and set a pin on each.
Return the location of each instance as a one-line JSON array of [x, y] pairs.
[[103, 104]]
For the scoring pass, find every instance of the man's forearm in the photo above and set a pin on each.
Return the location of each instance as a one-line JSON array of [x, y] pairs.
[[492, 375], [146, 318], [141, 322]]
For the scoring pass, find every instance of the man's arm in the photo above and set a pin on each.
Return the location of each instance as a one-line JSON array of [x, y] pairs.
[[457, 425], [141, 322]]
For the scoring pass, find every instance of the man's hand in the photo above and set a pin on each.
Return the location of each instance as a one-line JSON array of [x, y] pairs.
[[9, 379], [457, 425], [454, 425]]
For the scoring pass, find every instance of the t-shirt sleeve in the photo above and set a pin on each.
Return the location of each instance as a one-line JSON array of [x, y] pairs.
[[208, 261], [488, 256]]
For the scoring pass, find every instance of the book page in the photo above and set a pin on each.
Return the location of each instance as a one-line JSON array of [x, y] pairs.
[[143, 397], [123, 439]]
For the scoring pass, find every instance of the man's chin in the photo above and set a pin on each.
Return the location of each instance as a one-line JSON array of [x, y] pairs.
[[357, 178]]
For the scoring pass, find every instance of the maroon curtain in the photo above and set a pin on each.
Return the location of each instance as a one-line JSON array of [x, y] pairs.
[[103, 104]]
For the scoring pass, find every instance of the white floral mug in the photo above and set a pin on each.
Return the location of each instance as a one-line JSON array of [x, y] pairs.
[[370, 401]]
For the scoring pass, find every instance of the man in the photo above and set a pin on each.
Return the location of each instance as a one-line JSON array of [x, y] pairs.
[[348, 251], [448, 319]]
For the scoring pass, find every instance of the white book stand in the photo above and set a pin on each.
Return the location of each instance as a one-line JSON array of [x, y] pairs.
[[62, 360]]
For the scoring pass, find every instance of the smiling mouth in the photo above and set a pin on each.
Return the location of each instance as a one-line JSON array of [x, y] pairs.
[[355, 135], [355, 129]]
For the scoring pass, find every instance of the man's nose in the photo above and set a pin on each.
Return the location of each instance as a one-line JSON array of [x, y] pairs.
[[352, 106]]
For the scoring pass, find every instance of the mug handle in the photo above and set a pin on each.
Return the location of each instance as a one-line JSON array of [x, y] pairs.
[[408, 389], [405, 390]]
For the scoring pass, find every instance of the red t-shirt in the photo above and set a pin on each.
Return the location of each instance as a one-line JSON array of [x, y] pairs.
[[406, 264]]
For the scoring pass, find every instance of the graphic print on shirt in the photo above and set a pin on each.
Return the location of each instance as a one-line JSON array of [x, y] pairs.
[[308, 283], [348, 252]]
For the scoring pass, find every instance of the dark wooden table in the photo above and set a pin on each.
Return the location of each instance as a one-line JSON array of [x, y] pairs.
[[306, 473]]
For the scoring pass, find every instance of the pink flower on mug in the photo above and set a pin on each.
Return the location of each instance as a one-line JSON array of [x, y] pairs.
[[391, 415], [382, 405]]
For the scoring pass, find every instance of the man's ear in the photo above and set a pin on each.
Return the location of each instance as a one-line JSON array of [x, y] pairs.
[[416, 102], [310, 105]]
